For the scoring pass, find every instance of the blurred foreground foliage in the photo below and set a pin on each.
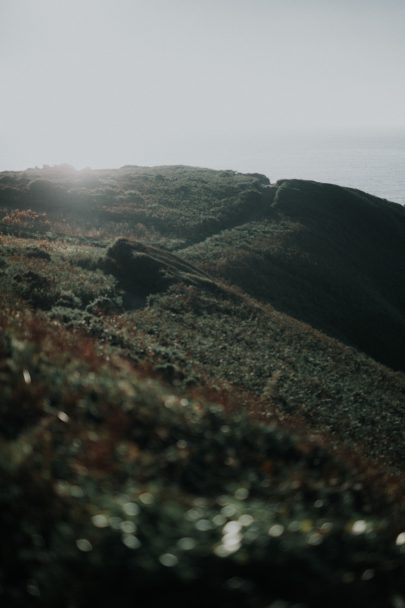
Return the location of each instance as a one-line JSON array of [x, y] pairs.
[[117, 488]]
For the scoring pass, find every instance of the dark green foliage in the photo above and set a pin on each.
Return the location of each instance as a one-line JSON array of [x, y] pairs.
[[165, 438], [36, 252], [74, 318], [44, 192], [35, 288], [115, 489], [105, 304], [67, 299], [304, 372], [177, 202], [330, 256]]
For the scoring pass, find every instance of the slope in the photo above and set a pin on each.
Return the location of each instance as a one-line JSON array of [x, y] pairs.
[[328, 255], [191, 445], [331, 256]]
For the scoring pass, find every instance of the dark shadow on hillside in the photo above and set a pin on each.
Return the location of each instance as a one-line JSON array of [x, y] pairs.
[[333, 257]]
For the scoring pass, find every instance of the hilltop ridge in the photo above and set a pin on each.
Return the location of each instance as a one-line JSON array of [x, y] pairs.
[[328, 255], [331, 256]]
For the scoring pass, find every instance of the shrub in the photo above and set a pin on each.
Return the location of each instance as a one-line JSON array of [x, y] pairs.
[[27, 219], [35, 288]]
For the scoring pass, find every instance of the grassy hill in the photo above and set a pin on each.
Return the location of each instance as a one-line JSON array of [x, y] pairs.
[[180, 204], [331, 256], [164, 436], [327, 255]]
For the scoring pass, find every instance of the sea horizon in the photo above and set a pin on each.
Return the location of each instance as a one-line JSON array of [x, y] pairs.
[[369, 159]]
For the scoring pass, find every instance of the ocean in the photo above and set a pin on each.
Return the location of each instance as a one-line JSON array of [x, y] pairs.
[[371, 160]]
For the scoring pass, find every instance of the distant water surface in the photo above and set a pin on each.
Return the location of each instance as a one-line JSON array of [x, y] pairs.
[[371, 160]]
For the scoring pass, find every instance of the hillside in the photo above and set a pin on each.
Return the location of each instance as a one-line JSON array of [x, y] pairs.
[[330, 256], [163, 434]]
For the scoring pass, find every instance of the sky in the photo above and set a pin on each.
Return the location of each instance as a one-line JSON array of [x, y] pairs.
[[104, 83]]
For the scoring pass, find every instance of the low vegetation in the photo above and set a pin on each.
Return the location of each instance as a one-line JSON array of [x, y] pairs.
[[164, 436]]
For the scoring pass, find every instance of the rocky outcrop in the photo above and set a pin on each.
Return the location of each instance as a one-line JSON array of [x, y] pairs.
[[142, 269]]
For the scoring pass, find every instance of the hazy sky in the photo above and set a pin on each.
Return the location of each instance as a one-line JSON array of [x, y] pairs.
[[109, 82]]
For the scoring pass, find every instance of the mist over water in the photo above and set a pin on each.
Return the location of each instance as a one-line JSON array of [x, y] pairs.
[[372, 160]]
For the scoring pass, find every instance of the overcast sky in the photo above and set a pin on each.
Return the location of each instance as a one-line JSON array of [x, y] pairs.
[[110, 82]]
